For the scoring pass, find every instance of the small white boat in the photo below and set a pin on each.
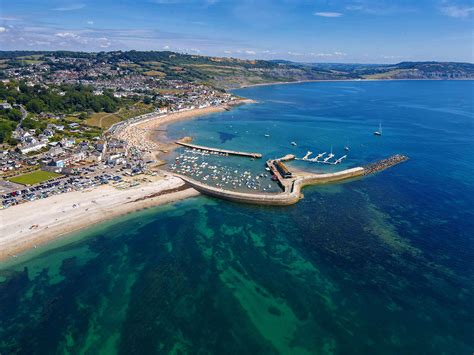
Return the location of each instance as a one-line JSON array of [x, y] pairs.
[[267, 135], [346, 148], [293, 143], [340, 159], [379, 132], [319, 156], [325, 160]]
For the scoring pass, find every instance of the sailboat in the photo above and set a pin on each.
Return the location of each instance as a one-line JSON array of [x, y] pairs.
[[319, 156], [325, 160], [379, 132]]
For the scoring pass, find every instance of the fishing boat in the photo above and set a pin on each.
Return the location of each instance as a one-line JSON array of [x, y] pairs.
[[379, 132]]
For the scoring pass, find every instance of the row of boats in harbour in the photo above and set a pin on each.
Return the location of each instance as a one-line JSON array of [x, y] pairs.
[[322, 158], [200, 166]]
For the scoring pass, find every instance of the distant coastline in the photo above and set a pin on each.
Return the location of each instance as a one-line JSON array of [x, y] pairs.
[[340, 80]]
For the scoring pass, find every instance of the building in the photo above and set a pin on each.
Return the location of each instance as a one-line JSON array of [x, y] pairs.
[[32, 148], [5, 106]]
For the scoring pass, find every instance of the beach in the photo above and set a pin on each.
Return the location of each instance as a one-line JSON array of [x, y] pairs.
[[143, 135], [34, 223], [30, 224]]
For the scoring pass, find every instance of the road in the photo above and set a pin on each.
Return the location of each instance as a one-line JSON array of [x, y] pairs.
[[24, 113]]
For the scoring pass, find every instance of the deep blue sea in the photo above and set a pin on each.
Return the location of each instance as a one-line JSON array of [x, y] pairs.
[[380, 265]]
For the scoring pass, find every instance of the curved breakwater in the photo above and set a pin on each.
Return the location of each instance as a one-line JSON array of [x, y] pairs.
[[292, 186]]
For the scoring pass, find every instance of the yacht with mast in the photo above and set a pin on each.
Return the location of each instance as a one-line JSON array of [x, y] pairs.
[[379, 132]]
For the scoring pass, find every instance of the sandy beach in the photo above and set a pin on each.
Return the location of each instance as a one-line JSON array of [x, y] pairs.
[[34, 223], [31, 224], [144, 135]]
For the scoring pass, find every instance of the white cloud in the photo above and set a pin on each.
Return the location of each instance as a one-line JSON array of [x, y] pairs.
[[380, 7], [9, 18], [166, 47], [456, 11], [90, 22], [295, 54], [3, 29], [329, 55], [328, 14], [173, 2], [249, 52], [71, 7], [66, 35]]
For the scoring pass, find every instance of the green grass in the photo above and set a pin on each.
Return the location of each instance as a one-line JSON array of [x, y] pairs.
[[104, 120], [34, 177]]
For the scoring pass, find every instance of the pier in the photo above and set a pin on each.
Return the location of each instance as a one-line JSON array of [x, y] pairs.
[[292, 183], [218, 150]]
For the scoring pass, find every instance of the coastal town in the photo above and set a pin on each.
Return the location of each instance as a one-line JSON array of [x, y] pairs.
[[221, 177], [92, 130], [65, 152]]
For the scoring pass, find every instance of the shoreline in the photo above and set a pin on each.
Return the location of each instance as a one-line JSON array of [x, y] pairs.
[[38, 222], [28, 225], [143, 134], [337, 80]]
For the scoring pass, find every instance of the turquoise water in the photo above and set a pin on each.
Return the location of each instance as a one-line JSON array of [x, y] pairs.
[[381, 265]]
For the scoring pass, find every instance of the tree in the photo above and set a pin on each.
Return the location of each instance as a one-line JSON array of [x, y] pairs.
[[35, 105], [14, 114], [6, 129]]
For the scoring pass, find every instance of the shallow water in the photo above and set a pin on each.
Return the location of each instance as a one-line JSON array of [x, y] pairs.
[[375, 265]]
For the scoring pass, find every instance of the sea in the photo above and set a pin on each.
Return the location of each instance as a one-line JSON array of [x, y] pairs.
[[378, 265]]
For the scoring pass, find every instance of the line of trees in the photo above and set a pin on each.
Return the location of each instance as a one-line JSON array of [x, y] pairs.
[[63, 99]]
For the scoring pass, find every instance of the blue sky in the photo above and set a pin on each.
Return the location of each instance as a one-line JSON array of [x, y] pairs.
[[356, 31]]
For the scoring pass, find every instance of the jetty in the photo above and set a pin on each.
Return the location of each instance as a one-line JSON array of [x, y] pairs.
[[291, 182], [218, 150]]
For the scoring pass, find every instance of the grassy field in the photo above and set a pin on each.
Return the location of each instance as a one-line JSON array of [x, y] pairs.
[[154, 73], [34, 177], [104, 120], [387, 75]]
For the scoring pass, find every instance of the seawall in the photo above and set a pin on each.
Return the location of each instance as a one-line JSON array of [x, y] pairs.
[[292, 186]]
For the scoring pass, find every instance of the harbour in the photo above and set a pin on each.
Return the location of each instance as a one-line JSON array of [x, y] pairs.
[[290, 182], [358, 264]]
